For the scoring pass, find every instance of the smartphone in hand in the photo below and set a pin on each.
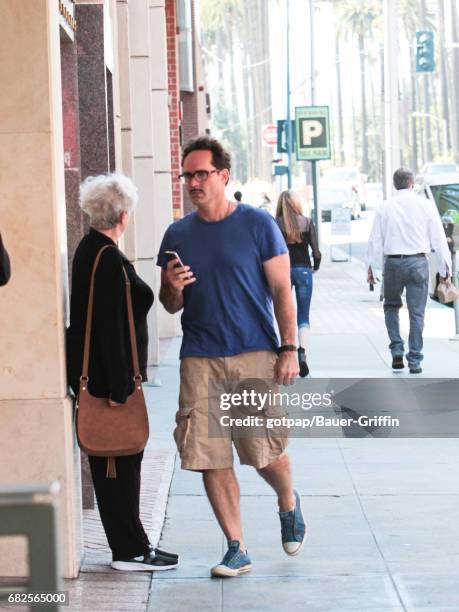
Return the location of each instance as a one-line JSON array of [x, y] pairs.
[[170, 255]]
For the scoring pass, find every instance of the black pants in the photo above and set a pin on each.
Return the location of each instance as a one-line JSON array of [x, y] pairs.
[[118, 500]]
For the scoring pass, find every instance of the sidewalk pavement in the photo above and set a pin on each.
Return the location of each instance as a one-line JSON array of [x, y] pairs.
[[381, 513], [348, 334], [383, 532]]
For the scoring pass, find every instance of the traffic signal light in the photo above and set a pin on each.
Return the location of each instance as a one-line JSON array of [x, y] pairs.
[[425, 61]]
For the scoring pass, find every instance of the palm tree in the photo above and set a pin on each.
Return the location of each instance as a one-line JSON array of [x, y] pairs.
[[257, 82], [455, 52], [338, 64], [242, 26], [358, 19], [410, 16], [444, 71], [220, 23]]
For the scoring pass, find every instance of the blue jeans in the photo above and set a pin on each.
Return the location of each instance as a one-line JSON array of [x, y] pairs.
[[412, 274], [301, 278]]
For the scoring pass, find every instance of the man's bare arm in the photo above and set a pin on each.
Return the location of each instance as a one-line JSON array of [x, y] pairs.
[[277, 272], [171, 299], [173, 282]]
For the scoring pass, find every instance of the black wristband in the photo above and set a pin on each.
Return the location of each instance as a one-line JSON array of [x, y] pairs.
[[286, 348]]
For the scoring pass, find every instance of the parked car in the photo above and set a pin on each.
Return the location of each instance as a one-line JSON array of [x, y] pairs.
[[342, 187], [439, 168], [443, 190]]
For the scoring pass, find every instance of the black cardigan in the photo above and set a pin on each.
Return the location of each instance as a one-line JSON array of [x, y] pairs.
[[110, 360], [5, 269], [299, 251]]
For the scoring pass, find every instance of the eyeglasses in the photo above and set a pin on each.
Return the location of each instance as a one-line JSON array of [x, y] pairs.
[[199, 175]]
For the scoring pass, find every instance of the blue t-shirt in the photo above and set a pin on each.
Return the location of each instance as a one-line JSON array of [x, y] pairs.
[[228, 309]]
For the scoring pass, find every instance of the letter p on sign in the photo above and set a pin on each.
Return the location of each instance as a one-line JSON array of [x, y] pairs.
[[310, 130]]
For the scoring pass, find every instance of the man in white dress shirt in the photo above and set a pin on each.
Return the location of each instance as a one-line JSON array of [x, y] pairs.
[[406, 228]]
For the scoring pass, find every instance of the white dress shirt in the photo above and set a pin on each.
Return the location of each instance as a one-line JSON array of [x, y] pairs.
[[405, 225]]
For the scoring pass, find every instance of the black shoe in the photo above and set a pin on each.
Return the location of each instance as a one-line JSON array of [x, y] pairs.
[[304, 370], [417, 370], [397, 363], [146, 563], [162, 553]]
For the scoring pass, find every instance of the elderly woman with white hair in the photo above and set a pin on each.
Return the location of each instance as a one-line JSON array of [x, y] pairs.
[[109, 200]]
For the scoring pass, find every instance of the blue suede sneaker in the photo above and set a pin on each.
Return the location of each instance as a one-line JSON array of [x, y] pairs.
[[234, 562], [293, 528]]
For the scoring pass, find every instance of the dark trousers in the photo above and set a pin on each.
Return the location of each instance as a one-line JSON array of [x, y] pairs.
[[118, 500]]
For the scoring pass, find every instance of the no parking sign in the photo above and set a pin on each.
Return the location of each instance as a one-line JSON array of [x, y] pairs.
[[312, 126]]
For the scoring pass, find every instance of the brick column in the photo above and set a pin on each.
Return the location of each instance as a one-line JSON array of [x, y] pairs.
[[94, 129], [94, 138], [174, 106], [194, 120], [71, 129]]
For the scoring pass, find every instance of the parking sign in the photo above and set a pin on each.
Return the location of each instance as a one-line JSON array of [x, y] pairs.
[[312, 127]]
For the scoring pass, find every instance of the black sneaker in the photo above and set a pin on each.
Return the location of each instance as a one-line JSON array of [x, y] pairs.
[[147, 563], [397, 363], [304, 370], [416, 370], [163, 553]]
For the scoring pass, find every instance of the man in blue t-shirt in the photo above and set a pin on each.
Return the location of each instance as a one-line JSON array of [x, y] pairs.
[[235, 269]]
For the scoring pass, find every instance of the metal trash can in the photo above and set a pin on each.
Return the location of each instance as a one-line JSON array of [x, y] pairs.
[[31, 510]]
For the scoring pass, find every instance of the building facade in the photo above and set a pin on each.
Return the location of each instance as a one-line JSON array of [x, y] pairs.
[[88, 86]]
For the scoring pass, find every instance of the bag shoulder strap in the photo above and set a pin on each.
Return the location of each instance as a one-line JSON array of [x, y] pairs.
[[87, 335]]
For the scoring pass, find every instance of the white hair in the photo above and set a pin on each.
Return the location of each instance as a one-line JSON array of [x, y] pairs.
[[105, 197]]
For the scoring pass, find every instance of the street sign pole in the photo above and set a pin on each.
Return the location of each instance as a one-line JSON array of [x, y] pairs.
[[312, 128], [313, 101], [315, 195], [391, 92]]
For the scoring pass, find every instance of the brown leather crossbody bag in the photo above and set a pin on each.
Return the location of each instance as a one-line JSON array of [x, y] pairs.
[[104, 430]]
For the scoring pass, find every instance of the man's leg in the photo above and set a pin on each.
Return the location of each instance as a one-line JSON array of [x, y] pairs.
[[265, 448], [278, 475], [206, 446], [293, 528], [223, 492], [417, 289], [393, 289]]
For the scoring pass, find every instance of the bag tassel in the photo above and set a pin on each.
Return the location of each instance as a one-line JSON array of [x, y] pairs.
[[111, 468]]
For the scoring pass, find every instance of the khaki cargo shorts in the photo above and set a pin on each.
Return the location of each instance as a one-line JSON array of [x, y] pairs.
[[202, 442]]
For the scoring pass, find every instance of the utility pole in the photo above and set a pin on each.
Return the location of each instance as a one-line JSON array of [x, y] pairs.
[[313, 101], [425, 78], [289, 122], [391, 92]]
